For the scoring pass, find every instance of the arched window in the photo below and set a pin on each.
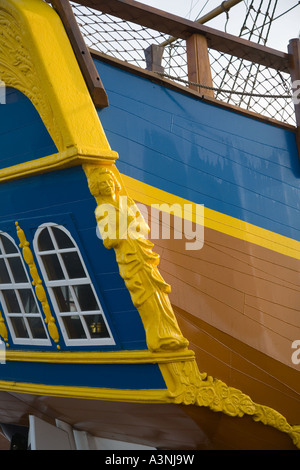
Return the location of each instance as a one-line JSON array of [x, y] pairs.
[[72, 293], [17, 297]]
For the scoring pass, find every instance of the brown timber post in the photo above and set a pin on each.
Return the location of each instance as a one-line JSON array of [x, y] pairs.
[[83, 56], [199, 70], [294, 61]]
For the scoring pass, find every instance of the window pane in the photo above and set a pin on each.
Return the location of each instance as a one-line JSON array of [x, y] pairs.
[[53, 268], [73, 265], [19, 327], [9, 247], [96, 326], [44, 241], [74, 327], [17, 269], [86, 297], [28, 301], [64, 299], [4, 276], [62, 239], [37, 328], [11, 301]]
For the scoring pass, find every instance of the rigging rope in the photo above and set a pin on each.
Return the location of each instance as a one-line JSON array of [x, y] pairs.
[[221, 90]]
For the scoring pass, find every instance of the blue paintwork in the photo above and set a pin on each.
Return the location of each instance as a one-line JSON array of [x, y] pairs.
[[118, 376], [63, 197], [21, 135], [231, 163], [212, 156]]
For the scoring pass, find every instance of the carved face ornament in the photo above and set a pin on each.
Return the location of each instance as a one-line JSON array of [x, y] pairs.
[[106, 185]]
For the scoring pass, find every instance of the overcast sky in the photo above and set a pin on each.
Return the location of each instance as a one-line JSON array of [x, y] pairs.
[[282, 30]]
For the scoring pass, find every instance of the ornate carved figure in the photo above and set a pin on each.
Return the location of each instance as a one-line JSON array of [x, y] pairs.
[[123, 228]]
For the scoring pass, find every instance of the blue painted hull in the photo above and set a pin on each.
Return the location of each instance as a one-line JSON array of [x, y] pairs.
[[230, 162], [243, 171]]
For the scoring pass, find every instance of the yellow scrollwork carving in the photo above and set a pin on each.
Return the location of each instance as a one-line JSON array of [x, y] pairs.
[[186, 385], [36, 58], [38, 284], [123, 228], [3, 329], [17, 67]]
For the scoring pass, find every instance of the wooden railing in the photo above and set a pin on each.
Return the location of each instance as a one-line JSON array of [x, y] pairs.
[[294, 65], [198, 39]]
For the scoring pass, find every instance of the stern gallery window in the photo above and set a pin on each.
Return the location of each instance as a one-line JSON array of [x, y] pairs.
[[74, 299], [17, 297]]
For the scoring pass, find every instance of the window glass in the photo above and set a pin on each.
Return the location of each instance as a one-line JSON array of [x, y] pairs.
[[62, 239], [28, 301], [73, 265], [64, 299], [45, 243], [17, 269], [96, 326], [19, 327], [17, 298], [8, 246], [86, 298], [37, 328], [73, 327], [72, 293], [4, 276], [11, 301], [53, 267]]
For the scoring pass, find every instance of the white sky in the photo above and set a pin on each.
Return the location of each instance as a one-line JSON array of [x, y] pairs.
[[282, 30]]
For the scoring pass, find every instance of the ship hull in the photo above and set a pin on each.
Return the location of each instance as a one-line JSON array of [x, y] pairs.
[[92, 333]]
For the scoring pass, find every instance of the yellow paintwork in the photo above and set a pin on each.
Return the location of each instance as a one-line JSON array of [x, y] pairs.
[[37, 59], [93, 393], [38, 284], [41, 64], [148, 195], [3, 329], [96, 357], [138, 263]]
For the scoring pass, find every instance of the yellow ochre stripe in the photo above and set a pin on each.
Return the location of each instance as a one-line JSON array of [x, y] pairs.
[[137, 396], [149, 195]]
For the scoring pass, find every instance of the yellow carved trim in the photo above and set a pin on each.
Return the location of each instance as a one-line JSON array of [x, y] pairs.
[[133, 396], [136, 260], [186, 385], [38, 284], [57, 161], [148, 195], [95, 357], [37, 58], [3, 329]]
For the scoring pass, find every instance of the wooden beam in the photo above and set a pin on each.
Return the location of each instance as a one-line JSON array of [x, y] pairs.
[[224, 7], [294, 56], [199, 70], [173, 25], [82, 53], [134, 69]]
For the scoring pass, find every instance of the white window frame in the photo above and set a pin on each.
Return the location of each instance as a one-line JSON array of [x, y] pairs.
[[15, 287], [67, 282]]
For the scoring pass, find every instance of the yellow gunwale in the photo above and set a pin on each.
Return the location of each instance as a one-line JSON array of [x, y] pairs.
[[149, 195], [92, 357], [92, 393]]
